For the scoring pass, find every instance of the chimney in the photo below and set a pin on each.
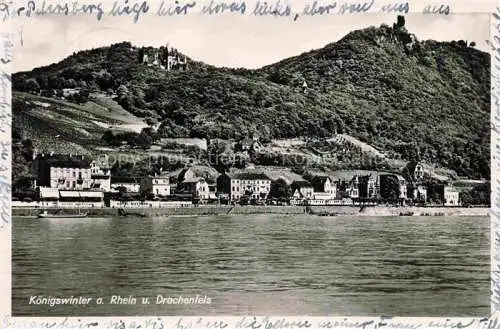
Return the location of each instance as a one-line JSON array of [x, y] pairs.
[[51, 153], [70, 155], [82, 156]]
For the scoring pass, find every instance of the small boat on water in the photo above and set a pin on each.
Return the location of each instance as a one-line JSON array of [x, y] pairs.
[[123, 213], [45, 214]]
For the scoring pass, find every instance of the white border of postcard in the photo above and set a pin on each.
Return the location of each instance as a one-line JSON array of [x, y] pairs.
[[7, 30]]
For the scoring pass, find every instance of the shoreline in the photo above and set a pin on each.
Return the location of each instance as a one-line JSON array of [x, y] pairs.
[[331, 211]]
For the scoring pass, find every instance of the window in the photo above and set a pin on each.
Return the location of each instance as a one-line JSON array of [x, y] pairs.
[[74, 174], [74, 184]]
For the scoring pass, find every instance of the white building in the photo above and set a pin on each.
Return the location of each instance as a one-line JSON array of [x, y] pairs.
[[353, 189], [194, 187], [302, 190], [63, 171], [158, 185], [101, 174], [161, 184], [131, 184], [451, 196], [403, 189], [53, 197], [418, 173], [420, 193], [253, 185], [324, 188]]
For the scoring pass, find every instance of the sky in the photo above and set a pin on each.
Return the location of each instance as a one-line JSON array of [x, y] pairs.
[[228, 40]]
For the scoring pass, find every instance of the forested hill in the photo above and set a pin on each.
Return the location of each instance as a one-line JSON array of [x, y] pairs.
[[409, 98]]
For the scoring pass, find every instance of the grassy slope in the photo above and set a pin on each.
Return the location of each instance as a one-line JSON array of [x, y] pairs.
[[56, 125]]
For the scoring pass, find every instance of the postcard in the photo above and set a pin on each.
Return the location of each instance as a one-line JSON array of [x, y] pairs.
[[184, 158]]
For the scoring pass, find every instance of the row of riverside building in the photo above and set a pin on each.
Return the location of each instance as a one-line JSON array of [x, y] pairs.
[[79, 181]]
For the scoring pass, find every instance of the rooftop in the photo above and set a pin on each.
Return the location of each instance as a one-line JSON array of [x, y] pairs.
[[65, 160], [302, 183], [319, 182], [249, 176], [124, 179]]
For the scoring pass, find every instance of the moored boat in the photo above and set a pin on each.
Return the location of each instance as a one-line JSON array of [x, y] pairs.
[[45, 214]]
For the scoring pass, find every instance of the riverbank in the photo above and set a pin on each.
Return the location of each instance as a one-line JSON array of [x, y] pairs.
[[284, 210]]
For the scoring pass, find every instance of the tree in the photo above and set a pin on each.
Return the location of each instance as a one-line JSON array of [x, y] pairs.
[[280, 189], [31, 85], [220, 156], [280, 77], [82, 96], [145, 140], [122, 190], [108, 137]]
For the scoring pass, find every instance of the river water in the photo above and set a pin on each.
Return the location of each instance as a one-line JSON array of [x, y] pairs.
[[254, 265]]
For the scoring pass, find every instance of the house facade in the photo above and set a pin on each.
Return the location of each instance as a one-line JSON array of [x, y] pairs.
[[324, 186], [364, 187], [418, 173], [63, 171], [158, 185], [443, 194], [301, 192], [369, 186], [191, 185], [384, 186], [353, 188], [253, 185], [196, 188], [53, 197], [403, 188], [451, 196], [100, 173], [131, 184], [417, 192], [161, 184]]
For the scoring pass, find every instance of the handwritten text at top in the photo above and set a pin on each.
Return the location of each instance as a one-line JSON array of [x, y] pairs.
[[168, 8]]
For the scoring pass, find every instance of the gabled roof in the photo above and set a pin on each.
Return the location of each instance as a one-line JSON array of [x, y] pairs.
[[400, 178], [318, 182], [301, 183], [192, 180], [124, 179], [249, 176], [297, 190], [65, 160], [182, 174], [162, 174]]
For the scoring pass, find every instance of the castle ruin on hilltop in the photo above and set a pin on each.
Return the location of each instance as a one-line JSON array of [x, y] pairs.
[[165, 58]]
